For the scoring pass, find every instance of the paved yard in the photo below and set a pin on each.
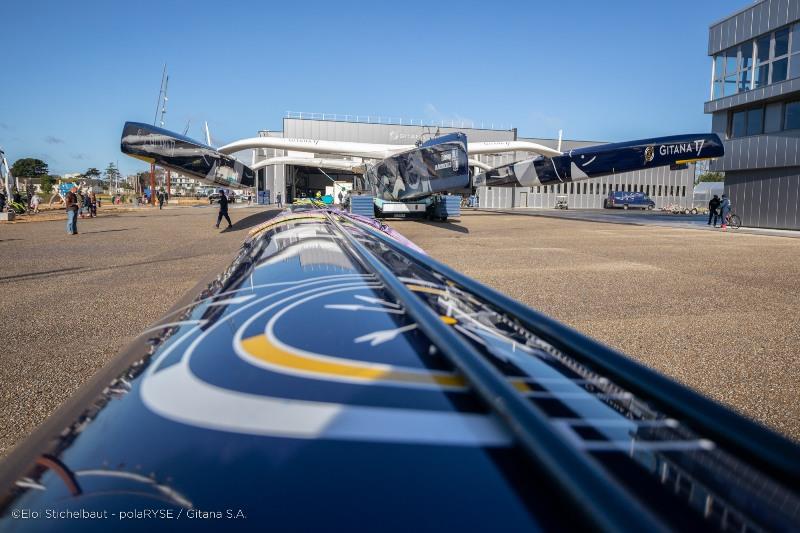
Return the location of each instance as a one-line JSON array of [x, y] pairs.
[[719, 312]]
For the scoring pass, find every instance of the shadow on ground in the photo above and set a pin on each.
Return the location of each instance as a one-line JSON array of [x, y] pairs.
[[445, 225], [251, 220]]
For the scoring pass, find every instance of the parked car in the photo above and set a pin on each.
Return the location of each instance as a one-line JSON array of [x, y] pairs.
[[627, 200]]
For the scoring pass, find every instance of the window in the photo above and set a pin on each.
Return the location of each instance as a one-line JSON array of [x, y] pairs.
[[781, 43], [571, 188], [779, 69], [755, 121], [647, 190], [683, 191], [762, 49], [738, 124], [792, 116]]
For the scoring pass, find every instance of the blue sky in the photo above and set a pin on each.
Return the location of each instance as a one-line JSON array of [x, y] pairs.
[[74, 72]]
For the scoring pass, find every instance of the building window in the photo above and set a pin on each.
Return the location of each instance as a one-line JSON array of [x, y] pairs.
[[755, 121], [746, 122], [792, 116]]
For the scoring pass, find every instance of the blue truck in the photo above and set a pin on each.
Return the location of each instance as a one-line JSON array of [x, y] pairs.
[[627, 200]]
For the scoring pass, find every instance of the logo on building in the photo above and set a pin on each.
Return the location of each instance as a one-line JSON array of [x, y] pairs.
[[649, 153]]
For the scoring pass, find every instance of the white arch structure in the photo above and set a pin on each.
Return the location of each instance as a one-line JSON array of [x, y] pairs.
[[365, 150], [375, 151]]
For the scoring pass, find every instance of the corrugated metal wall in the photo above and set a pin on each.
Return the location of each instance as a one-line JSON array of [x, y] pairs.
[[665, 186], [766, 198]]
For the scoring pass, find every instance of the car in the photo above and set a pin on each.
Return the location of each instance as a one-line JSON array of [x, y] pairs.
[[627, 200]]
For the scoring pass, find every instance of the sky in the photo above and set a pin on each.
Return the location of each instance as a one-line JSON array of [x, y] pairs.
[[74, 72]]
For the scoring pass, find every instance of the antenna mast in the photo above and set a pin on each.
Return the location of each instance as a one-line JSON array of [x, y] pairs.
[[162, 97]]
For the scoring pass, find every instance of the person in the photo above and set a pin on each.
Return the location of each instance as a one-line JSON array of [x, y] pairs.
[[72, 211], [92, 205], [279, 199], [713, 210], [223, 209], [35, 201], [2, 200], [79, 202], [15, 197], [161, 199], [725, 207], [340, 197]]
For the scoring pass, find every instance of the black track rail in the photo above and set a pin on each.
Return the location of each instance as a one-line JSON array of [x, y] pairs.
[[752, 443], [606, 504]]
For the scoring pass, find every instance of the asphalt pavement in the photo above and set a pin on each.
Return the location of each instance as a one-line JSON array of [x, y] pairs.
[[71, 302], [717, 311]]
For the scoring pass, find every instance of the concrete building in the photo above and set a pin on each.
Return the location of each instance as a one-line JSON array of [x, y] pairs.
[[755, 108], [665, 186]]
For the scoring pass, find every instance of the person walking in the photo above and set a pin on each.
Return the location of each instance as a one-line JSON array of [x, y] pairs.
[[72, 211], [223, 209], [341, 197], [725, 207], [160, 200], [279, 200], [713, 210]]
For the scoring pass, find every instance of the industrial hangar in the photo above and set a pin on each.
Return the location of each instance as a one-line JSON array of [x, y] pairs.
[[663, 185]]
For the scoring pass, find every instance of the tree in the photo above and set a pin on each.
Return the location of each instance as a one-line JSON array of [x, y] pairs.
[[29, 168], [112, 173], [93, 176], [711, 176], [47, 182]]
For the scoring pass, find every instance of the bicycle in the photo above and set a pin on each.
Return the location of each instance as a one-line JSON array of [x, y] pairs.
[[733, 221]]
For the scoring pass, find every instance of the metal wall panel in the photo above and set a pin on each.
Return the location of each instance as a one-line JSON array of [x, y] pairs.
[[766, 198]]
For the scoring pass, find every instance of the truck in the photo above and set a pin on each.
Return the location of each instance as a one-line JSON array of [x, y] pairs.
[[627, 200]]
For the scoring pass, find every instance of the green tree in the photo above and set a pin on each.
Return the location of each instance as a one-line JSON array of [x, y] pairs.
[[47, 183], [29, 168], [711, 176], [112, 173]]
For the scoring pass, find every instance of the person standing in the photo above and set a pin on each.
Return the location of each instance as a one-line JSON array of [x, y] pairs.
[[341, 197], [713, 210], [279, 199], [223, 209], [35, 201], [72, 211], [2, 200], [725, 207], [92, 205]]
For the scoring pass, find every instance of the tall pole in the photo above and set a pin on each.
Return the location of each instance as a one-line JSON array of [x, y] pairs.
[[169, 184], [153, 183]]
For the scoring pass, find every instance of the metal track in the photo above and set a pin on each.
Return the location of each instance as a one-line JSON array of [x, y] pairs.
[[605, 503]]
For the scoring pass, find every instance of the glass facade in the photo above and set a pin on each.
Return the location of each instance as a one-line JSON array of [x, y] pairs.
[[770, 58]]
